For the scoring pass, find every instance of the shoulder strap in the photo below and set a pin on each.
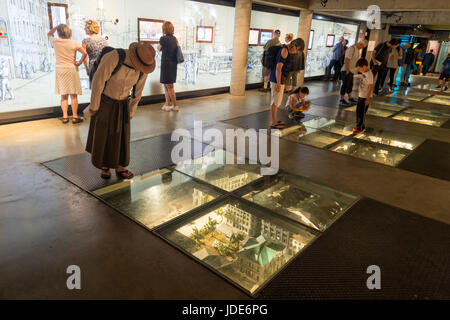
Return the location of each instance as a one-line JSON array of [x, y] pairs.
[[122, 55]]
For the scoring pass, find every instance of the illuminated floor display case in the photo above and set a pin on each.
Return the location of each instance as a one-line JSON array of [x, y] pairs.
[[427, 86], [242, 243], [310, 203], [156, 197], [374, 111], [371, 151], [224, 176], [410, 95], [422, 116], [387, 106], [440, 99]]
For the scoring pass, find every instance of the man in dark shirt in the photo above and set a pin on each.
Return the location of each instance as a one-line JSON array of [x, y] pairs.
[[380, 58], [427, 62]]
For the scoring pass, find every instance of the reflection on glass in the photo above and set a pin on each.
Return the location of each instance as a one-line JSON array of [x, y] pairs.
[[441, 99], [246, 246], [374, 111], [329, 125], [298, 198], [157, 197], [410, 95], [371, 151], [430, 119], [391, 139], [212, 169]]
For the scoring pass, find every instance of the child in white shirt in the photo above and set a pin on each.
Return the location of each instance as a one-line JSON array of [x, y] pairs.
[[365, 94], [296, 103]]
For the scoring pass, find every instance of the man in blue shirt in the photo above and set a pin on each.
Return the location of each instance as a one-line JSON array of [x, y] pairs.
[[427, 62], [445, 74], [338, 52]]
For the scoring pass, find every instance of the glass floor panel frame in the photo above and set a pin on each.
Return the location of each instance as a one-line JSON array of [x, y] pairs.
[[439, 99], [252, 209], [414, 96]]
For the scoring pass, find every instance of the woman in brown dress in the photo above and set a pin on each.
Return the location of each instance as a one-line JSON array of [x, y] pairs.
[[112, 107]]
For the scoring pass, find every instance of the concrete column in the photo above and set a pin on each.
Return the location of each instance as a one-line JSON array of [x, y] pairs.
[[304, 27], [242, 18], [375, 38]]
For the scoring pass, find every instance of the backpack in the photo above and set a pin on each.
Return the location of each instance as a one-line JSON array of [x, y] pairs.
[[270, 57], [122, 55]]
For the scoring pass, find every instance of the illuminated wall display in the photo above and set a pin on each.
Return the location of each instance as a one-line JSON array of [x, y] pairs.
[[58, 13], [265, 36], [205, 34], [253, 38], [330, 40], [149, 30], [311, 39]]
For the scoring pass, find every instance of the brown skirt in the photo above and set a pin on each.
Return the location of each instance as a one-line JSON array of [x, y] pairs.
[[109, 134]]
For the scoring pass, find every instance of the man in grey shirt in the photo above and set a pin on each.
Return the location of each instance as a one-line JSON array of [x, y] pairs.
[[275, 41]]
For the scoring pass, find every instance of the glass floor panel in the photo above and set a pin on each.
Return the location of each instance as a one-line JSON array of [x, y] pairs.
[[316, 138], [429, 120], [156, 197], [374, 111], [300, 199], [441, 99], [224, 176], [330, 125], [391, 139], [411, 95], [371, 151], [426, 112], [245, 245], [427, 86]]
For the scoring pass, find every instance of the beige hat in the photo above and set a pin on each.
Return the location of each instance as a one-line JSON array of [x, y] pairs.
[[142, 55]]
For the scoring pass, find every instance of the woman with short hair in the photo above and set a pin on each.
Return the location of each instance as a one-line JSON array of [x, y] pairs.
[[93, 45], [168, 45], [67, 80]]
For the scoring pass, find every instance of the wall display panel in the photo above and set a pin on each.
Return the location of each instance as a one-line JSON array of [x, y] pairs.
[[58, 13], [444, 50], [330, 40], [29, 58], [267, 21], [205, 34], [265, 36], [150, 30], [319, 56], [311, 39], [253, 38]]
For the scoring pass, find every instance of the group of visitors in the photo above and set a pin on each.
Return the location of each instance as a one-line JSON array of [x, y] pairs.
[[117, 78], [281, 65], [337, 60]]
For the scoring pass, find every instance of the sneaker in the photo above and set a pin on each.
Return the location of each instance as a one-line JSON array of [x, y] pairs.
[[352, 101], [438, 86], [446, 88], [343, 103], [357, 131], [166, 108], [409, 85], [262, 89]]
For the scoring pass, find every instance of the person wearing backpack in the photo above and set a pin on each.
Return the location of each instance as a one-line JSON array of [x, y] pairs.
[[274, 42], [118, 72], [282, 65]]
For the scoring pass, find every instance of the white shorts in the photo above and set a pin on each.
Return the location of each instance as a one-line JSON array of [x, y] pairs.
[[276, 97]]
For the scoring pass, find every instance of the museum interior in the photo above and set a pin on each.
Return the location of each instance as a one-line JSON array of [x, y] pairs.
[[341, 202]]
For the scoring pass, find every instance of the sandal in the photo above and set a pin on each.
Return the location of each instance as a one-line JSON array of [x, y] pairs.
[[106, 174], [65, 120], [277, 126], [125, 174], [77, 120]]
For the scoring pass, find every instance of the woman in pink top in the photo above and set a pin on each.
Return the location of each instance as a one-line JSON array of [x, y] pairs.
[[67, 78]]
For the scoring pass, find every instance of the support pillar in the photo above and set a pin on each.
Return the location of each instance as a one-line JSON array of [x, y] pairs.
[[376, 37], [304, 27], [243, 11]]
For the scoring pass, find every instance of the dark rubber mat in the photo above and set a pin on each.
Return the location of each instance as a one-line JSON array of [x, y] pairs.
[[262, 120], [328, 101], [411, 251], [431, 158], [146, 155]]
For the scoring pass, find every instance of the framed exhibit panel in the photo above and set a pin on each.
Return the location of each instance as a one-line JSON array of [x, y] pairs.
[[57, 13], [330, 40], [265, 36], [311, 39], [204, 34], [150, 30], [253, 39]]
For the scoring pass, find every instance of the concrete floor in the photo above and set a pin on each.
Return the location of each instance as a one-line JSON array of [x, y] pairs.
[[47, 223]]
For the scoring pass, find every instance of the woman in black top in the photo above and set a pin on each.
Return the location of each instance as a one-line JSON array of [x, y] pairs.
[[168, 44]]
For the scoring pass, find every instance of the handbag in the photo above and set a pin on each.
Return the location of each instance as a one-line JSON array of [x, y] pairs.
[[180, 56]]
